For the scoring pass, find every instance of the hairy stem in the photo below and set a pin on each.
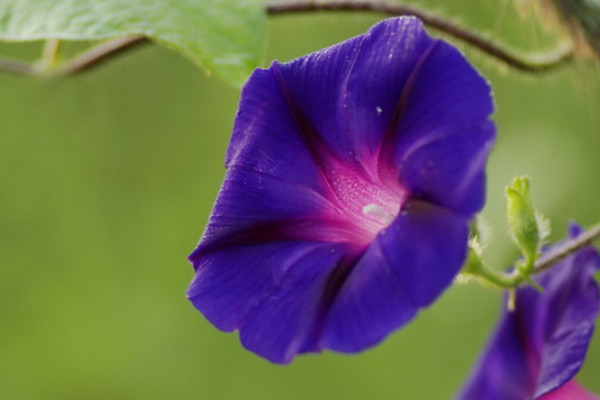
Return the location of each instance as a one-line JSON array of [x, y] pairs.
[[537, 63], [567, 248], [475, 267]]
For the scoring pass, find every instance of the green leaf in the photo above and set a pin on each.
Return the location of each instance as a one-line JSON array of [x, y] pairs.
[[225, 37]]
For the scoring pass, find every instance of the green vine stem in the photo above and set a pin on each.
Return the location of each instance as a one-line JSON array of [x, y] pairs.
[[537, 63], [477, 269], [17, 67], [101, 53]]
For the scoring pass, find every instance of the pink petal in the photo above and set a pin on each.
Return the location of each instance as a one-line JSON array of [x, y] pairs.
[[570, 391]]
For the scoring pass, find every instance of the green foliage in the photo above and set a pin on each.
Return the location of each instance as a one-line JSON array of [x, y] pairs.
[[526, 226], [225, 37], [583, 17]]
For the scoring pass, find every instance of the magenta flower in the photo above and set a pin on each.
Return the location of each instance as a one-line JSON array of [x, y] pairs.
[[537, 349], [352, 175]]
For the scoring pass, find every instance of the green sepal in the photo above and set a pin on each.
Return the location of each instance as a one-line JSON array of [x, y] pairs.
[[523, 224], [534, 284]]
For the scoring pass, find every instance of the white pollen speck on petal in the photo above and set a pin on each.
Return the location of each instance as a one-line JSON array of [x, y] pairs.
[[379, 110], [378, 213]]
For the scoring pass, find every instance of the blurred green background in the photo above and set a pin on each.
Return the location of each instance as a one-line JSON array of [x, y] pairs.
[[107, 180]]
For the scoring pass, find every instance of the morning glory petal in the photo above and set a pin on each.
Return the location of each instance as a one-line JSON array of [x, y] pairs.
[[426, 246], [437, 133], [267, 136], [285, 323], [406, 268], [380, 79], [570, 391], [541, 345], [266, 199], [349, 92], [231, 283], [571, 305], [370, 304]]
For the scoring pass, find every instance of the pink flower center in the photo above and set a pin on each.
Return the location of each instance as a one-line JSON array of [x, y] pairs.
[[363, 203]]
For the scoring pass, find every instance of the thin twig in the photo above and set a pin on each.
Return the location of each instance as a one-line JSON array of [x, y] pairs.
[[90, 58], [100, 53], [16, 67], [534, 64], [567, 248]]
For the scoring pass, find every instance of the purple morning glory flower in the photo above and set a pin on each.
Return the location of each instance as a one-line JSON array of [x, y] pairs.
[[538, 348], [352, 175]]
